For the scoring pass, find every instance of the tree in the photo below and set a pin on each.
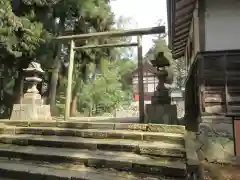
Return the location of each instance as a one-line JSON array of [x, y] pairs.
[[21, 35], [177, 68], [161, 46], [105, 90], [28, 26]]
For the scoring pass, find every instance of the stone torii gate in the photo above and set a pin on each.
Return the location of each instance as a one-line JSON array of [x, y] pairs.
[[124, 33]]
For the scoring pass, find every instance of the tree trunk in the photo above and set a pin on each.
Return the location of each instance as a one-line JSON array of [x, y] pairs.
[[73, 108], [17, 91], [53, 88], [56, 68], [75, 95], [54, 81]]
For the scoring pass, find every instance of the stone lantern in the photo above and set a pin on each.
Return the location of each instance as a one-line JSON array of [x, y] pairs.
[[161, 111], [161, 94], [32, 79], [31, 106]]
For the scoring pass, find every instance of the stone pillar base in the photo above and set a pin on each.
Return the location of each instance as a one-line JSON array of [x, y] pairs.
[[215, 139], [29, 112], [161, 114], [31, 108]]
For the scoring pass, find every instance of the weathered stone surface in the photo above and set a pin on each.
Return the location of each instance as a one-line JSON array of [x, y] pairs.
[[30, 112], [17, 169], [164, 137], [161, 114], [139, 148], [99, 125], [192, 159], [42, 124], [164, 149], [15, 123], [99, 134], [68, 171], [85, 125], [166, 128], [142, 147], [131, 126], [97, 159], [215, 140], [217, 149]]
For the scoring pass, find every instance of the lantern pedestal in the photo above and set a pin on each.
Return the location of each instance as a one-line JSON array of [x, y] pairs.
[[31, 106], [161, 111]]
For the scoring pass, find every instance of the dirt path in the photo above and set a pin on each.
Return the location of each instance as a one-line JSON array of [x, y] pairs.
[[221, 172]]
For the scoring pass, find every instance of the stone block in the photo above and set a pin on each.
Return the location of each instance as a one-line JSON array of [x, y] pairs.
[[217, 149], [161, 114], [63, 132], [30, 112], [16, 123], [164, 137], [161, 151], [166, 128], [32, 98], [130, 126], [42, 124], [215, 142]]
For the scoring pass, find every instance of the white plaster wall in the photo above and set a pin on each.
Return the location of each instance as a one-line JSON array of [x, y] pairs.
[[222, 25]]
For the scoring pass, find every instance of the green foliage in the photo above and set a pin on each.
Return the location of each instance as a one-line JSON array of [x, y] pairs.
[[176, 70], [161, 46], [106, 89], [27, 29], [18, 35]]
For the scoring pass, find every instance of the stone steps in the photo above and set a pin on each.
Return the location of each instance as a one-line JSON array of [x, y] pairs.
[[91, 150], [99, 125], [97, 133], [23, 170], [122, 161], [140, 147]]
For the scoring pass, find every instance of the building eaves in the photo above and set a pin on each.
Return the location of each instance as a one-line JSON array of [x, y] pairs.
[[180, 14]]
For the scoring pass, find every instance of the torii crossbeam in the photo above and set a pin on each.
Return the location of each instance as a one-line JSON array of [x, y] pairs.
[[122, 33]]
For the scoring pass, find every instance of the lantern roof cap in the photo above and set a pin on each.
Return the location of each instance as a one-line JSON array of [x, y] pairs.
[[34, 66], [160, 60]]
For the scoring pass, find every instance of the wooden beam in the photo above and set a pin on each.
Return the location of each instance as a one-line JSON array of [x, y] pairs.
[[107, 45], [69, 82], [178, 52], [181, 38], [123, 33], [183, 41], [182, 26], [185, 11], [182, 20], [180, 46], [181, 33], [182, 4], [140, 80], [177, 56]]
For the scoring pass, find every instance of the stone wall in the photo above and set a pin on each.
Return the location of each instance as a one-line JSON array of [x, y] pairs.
[[215, 139]]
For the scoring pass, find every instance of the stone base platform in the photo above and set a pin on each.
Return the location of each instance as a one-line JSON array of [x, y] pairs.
[[215, 139], [31, 112], [161, 114]]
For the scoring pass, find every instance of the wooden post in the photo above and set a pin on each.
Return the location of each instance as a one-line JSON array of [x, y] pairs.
[[69, 82], [140, 80]]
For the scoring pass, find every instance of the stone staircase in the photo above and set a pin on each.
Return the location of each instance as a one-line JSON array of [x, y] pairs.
[[95, 151]]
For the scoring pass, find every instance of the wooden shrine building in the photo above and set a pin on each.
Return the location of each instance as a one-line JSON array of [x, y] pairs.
[[150, 82], [205, 34]]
